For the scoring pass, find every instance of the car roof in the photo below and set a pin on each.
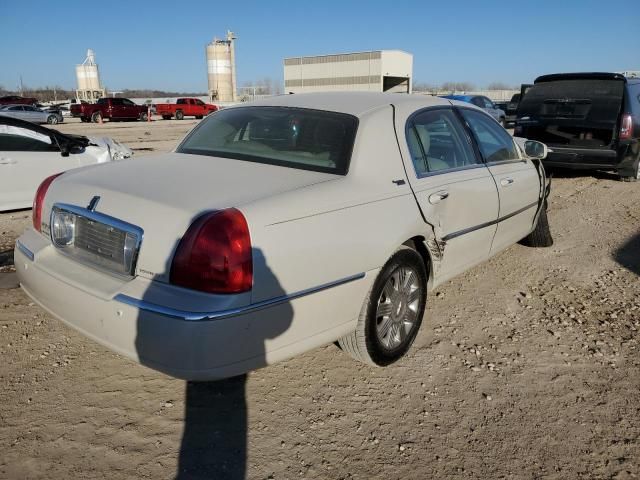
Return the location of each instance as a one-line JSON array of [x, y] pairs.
[[353, 103], [580, 76]]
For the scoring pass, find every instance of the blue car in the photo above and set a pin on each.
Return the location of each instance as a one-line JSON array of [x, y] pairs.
[[484, 103]]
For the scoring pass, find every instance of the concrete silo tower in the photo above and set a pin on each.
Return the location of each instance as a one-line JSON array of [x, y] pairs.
[[221, 69], [89, 87]]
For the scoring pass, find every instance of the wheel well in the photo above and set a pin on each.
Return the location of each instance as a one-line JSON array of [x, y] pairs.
[[417, 243]]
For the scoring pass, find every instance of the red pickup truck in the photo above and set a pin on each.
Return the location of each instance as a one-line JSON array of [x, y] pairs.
[[111, 108], [185, 107]]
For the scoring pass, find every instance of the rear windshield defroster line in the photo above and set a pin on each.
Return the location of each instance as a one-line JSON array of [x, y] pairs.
[[292, 137]]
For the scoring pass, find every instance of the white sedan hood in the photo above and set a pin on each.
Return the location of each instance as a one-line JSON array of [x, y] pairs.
[[164, 194]]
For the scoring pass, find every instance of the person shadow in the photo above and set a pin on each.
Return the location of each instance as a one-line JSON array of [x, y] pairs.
[[214, 439], [628, 254]]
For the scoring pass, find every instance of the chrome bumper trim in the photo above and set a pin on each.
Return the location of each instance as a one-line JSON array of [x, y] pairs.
[[233, 312], [25, 251]]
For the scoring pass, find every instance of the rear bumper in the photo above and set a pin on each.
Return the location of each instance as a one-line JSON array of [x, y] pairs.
[[582, 158], [168, 339]]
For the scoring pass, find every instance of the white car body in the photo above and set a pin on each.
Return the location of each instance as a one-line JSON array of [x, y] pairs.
[[318, 240], [21, 171]]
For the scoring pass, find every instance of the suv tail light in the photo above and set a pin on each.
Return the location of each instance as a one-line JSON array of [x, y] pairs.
[[214, 255], [626, 127], [38, 200]]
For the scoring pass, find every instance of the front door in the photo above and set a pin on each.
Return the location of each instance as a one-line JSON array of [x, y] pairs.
[[26, 159], [454, 189], [516, 178]]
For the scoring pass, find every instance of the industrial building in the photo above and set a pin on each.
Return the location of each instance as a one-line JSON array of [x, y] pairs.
[[89, 86], [378, 71], [221, 69]]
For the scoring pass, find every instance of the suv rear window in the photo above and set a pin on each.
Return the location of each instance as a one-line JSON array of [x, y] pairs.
[[592, 100], [289, 137]]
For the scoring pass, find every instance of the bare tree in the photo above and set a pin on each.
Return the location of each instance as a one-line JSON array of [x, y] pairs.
[[457, 86], [499, 86]]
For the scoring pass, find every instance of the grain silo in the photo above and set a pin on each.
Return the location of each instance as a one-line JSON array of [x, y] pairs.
[[89, 87], [221, 69]]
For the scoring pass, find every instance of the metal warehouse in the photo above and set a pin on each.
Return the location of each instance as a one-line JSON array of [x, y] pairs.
[[379, 71]]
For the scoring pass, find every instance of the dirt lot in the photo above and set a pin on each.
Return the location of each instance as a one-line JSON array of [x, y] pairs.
[[526, 367]]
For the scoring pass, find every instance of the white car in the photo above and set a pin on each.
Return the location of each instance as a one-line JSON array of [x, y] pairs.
[[30, 153], [280, 226]]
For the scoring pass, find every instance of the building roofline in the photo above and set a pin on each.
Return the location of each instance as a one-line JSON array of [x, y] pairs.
[[348, 53]]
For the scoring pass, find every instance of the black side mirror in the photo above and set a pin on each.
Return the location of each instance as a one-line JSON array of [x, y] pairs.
[[64, 150]]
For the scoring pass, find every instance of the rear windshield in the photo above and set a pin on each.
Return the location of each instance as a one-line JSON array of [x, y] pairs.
[[289, 137], [594, 100]]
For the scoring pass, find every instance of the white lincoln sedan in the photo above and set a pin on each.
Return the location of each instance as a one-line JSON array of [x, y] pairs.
[[280, 226]]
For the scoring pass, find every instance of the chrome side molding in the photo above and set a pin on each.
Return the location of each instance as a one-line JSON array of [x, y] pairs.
[[233, 312], [25, 251]]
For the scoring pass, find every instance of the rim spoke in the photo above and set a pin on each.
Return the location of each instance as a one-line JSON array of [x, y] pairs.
[[384, 309], [410, 280], [384, 328], [414, 296]]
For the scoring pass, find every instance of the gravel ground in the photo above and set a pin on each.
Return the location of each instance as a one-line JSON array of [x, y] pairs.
[[527, 366]]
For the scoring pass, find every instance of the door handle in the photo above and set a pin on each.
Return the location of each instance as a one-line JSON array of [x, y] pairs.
[[505, 182], [438, 196], [7, 161]]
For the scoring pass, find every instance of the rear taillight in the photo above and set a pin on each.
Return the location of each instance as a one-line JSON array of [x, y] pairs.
[[214, 255], [38, 201], [626, 127]]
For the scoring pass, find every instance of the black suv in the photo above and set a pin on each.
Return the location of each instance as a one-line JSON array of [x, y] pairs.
[[588, 120]]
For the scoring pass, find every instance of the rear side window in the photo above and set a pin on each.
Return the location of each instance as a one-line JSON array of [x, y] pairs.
[[289, 137], [495, 143], [437, 142], [10, 142]]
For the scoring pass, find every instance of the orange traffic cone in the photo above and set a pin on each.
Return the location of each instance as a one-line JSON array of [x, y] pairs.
[[148, 113], [100, 119]]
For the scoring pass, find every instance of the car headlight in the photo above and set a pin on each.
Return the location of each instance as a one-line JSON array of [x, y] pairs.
[[63, 227]]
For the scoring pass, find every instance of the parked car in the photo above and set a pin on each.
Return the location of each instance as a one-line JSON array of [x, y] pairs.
[[30, 114], [111, 109], [30, 153], [185, 107], [17, 100], [280, 226], [484, 103], [589, 120]]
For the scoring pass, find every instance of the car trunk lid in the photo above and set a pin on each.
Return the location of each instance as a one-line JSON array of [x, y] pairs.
[[164, 194]]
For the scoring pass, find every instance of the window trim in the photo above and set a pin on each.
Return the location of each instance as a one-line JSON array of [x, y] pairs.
[[476, 142], [469, 139]]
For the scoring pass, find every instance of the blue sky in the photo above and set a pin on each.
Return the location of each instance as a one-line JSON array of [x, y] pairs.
[[160, 44]]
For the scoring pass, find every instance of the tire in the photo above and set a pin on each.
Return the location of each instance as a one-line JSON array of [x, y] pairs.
[[541, 235], [95, 117], [166, 117], [52, 120], [631, 178], [369, 343], [144, 116], [179, 115], [198, 117], [84, 119]]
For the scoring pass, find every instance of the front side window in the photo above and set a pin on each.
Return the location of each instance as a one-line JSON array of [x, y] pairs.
[[127, 102], [289, 137], [495, 143], [437, 142]]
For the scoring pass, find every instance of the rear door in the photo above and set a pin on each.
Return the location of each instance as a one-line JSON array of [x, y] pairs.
[[130, 109], [516, 178], [454, 189]]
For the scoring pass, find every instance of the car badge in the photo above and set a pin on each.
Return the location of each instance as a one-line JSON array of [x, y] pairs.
[[93, 204]]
